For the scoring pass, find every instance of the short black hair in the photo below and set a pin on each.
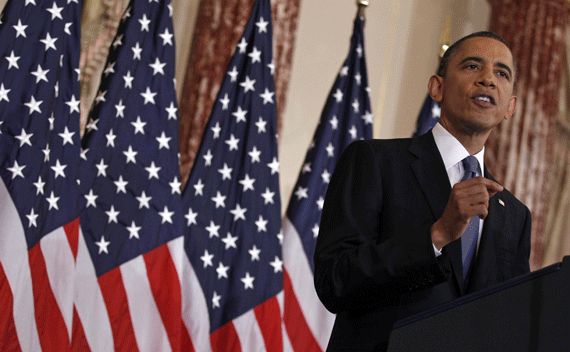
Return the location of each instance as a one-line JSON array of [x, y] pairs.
[[444, 62]]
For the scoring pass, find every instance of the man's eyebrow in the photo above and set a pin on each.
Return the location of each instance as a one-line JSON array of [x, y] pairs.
[[480, 59]]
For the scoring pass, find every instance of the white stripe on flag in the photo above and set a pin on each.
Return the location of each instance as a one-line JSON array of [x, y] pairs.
[[14, 259], [319, 319], [147, 323], [89, 302], [60, 266], [249, 333]]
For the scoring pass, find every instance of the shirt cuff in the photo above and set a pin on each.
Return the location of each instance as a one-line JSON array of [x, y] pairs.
[[436, 251]]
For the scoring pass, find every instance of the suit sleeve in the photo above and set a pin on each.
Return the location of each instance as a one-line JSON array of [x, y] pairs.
[[357, 266]]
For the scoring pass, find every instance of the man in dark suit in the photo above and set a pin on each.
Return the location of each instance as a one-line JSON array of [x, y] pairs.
[[408, 224]]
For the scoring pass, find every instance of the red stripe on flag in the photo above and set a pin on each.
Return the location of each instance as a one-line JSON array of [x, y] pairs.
[[115, 297], [186, 341], [72, 232], [298, 330], [8, 335], [78, 339], [225, 339], [165, 286], [268, 317], [49, 320]]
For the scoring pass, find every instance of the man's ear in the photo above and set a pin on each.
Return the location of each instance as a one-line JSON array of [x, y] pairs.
[[435, 88], [512, 106]]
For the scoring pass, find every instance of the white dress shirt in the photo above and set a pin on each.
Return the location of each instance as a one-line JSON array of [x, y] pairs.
[[453, 152]]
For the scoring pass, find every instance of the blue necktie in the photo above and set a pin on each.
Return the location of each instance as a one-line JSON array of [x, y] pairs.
[[469, 237]]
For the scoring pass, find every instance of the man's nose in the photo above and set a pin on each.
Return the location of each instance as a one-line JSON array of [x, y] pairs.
[[487, 78]]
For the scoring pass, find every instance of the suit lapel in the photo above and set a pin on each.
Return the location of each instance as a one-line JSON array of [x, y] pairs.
[[432, 177]]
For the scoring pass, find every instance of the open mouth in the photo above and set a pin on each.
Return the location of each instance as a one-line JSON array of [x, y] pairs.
[[485, 98]]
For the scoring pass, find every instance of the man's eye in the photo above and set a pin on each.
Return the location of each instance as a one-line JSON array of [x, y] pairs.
[[503, 74], [472, 66]]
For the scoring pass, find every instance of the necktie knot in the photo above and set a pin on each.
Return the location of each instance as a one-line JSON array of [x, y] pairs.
[[471, 165]]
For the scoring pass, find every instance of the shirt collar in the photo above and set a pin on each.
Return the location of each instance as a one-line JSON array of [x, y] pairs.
[[451, 150]]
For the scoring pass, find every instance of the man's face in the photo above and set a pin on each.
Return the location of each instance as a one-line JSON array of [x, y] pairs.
[[476, 92]]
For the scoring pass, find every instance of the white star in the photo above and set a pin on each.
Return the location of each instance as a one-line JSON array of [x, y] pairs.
[[262, 25], [233, 73], [144, 200], [112, 214], [133, 230], [271, 66], [247, 281], [128, 80], [120, 109], [58, 169], [358, 78], [242, 45], [238, 212], [213, 229], [166, 215], [226, 172], [52, 200], [367, 118], [320, 203], [131, 155], [267, 96], [144, 23], [222, 271], [268, 196], [121, 185], [109, 69], [344, 71], [356, 105], [326, 176], [315, 230], [274, 166], [199, 187], [16, 170], [138, 125], [20, 29], [83, 153], [148, 96], [55, 12], [225, 102], [49, 42], [191, 216], [216, 298], [261, 224], [100, 97], [435, 110], [103, 245], [41, 75], [67, 136], [280, 236], [127, 14], [163, 141], [32, 218], [230, 241], [91, 198], [207, 259], [301, 193], [39, 185], [92, 125], [24, 138], [359, 50], [47, 153], [277, 265], [166, 37], [255, 55], [34, 105], [330, 149], [152, 171], [248, 84], [171, 110], [51, 120], [353, 132], [157, 67], [254, 154], [219, 200], [216, 129], [334, 123], [13, 60], [306, 168], [102, 168], [232, 142], [111, 138], [208, 157], [240, 114], [254, 252], [175, 185], [247, 183], [118, 41], [73, 104]]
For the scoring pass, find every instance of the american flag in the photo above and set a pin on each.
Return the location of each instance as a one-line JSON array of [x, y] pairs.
[[232, 206], [129, 262], [346, 117], [39, 157], [428, 117]]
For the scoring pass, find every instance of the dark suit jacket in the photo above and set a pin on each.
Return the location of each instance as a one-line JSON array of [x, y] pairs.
[[374, 260]]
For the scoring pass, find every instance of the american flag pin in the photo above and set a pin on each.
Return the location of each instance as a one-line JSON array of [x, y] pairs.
[[501, 202]]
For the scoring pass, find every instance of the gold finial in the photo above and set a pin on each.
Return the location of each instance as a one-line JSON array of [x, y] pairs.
[[366, 2], [445, 39], [362, 4]]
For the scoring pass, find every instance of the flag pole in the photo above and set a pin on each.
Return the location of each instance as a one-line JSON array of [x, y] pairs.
[[362, 4]]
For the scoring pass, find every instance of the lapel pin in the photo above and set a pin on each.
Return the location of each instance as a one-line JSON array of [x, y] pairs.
[[501, 202]]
